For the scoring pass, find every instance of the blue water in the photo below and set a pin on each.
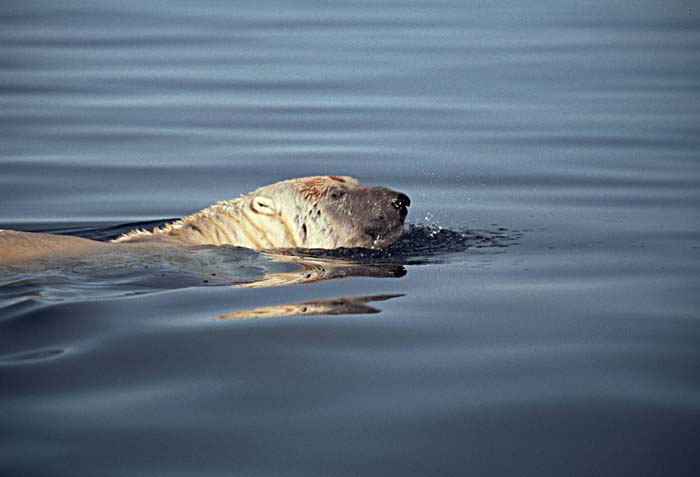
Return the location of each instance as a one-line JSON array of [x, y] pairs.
[[541, 318]]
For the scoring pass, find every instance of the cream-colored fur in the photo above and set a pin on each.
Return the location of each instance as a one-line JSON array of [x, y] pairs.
[[16, 247], [275, 216], [310, 212]]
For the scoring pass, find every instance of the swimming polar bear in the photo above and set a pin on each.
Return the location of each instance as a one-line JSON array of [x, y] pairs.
[[310, 212]]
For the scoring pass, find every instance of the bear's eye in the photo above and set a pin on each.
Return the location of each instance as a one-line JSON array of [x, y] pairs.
[[337, 193]]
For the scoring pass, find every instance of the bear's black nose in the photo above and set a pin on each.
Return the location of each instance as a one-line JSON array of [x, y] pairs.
[[401, 201]]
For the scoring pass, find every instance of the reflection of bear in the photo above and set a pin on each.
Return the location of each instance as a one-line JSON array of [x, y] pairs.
[[352, 305], [311, 212], [312, 270]]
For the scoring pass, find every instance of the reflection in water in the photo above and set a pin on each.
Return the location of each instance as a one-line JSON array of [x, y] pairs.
[[419, 245], [133, 271], [312, 270], [335, 306]]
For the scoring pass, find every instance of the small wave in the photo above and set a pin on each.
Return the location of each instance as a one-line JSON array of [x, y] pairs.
[[33, 356]]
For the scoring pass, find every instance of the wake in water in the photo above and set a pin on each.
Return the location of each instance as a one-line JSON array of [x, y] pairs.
[[124, 273], [421, 244]]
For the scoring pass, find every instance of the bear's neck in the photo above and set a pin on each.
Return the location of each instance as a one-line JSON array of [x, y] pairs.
[[224, 223]]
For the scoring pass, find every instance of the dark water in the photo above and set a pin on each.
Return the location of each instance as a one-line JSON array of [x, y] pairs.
[[550, 327]]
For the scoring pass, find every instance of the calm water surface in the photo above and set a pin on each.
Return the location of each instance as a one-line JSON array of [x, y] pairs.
[[543, 318]]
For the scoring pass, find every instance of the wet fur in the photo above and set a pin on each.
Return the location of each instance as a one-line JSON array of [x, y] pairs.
[[288, 214]]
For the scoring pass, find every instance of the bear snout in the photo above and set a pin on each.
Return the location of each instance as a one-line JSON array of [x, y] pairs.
[[401, 203]]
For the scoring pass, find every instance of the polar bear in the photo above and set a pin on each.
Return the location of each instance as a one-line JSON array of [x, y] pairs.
[[310, 212]]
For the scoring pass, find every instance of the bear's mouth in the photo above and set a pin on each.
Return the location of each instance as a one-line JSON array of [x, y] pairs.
[[382, 236], [387, 227]]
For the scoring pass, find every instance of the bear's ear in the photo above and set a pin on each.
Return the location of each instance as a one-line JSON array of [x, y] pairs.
[[263, 205]]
